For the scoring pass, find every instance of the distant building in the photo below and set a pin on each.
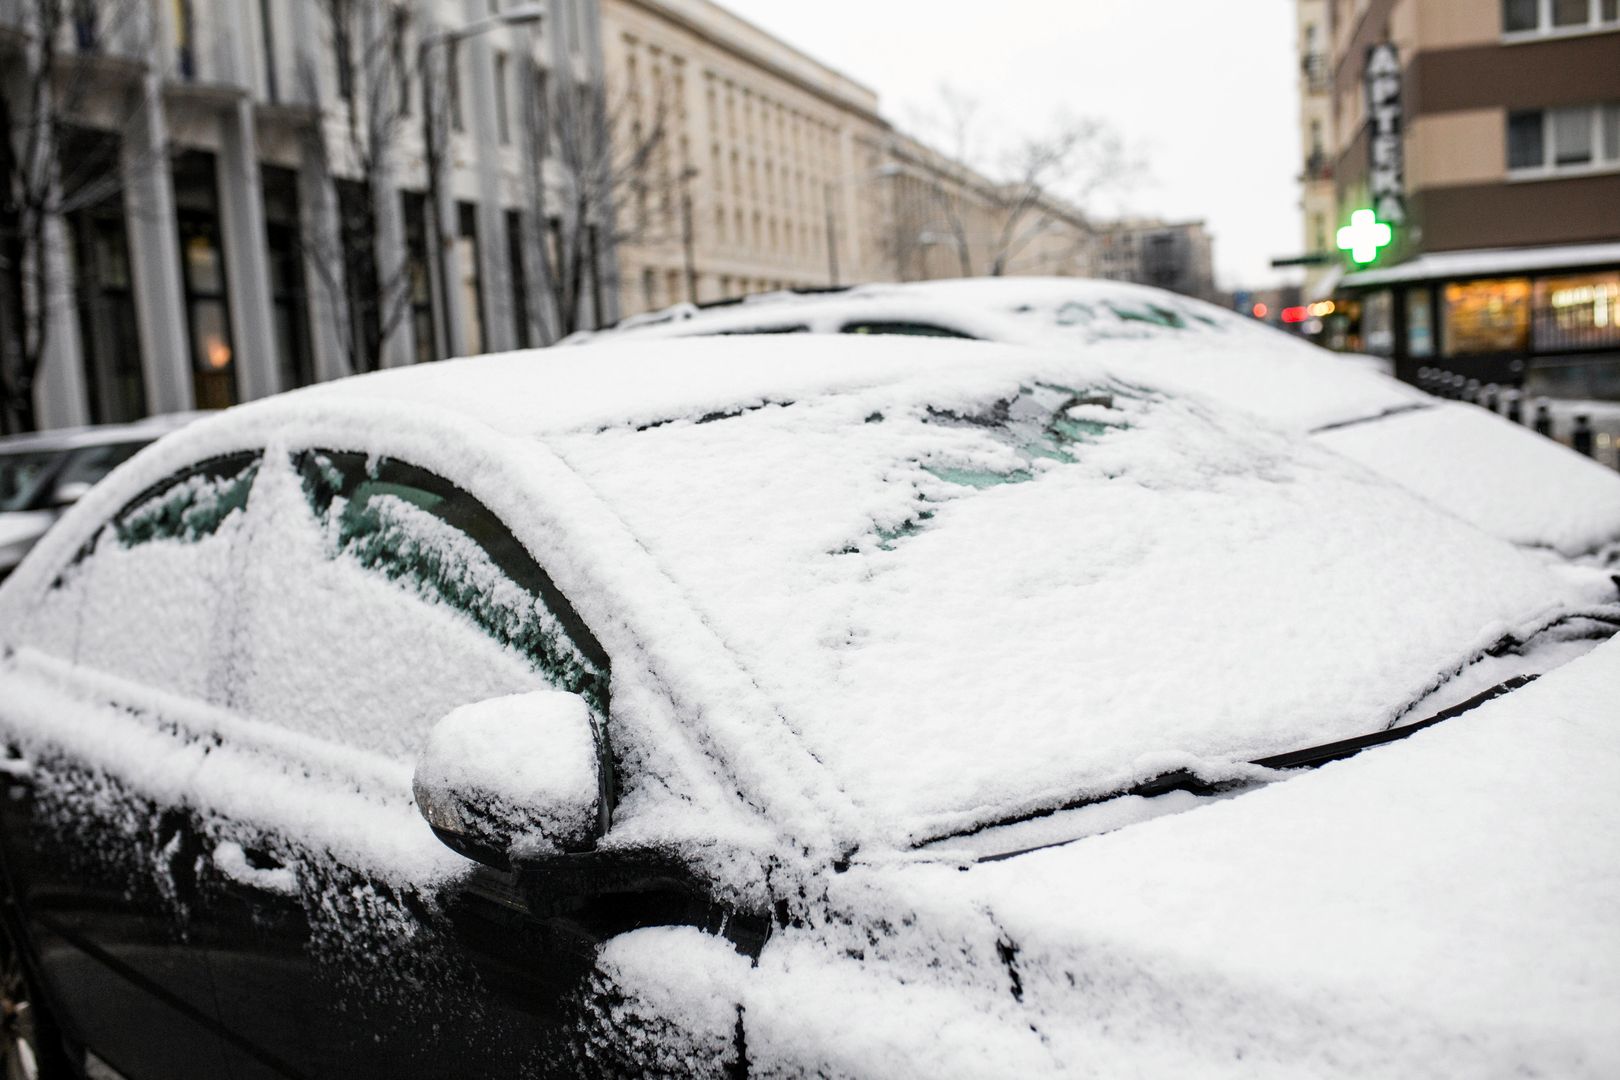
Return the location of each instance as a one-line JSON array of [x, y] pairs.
[[224, 233], [1178, 256], [779, 172], [1318, 199], [1475, 158]]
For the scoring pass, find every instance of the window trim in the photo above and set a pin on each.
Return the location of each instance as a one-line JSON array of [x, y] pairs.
[[1605, 159], [1544, 28]]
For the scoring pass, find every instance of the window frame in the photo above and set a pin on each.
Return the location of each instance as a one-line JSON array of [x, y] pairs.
[[1605, 158], [469, 516], [1596, 22]]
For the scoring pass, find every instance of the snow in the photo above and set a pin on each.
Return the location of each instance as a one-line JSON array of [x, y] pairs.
[[878, 608], [1459, 264], [1197, 348], [858, 594], [232, 861], [525, 762], [1433, 907], [1492, 473]]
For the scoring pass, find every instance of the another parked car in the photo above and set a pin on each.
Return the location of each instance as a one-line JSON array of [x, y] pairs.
[[42, 474], [1481, 467], [793, 708]]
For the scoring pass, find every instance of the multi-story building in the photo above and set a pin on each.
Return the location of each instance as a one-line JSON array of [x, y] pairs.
[[240, 198], [774, 170], [1476, 164], [1174, 256], [1318, 200], [757, 177]]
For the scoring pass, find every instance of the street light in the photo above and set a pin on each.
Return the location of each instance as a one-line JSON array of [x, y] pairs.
[[522, 15]]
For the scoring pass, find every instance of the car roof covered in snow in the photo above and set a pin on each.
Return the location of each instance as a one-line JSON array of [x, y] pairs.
[[973, 581]]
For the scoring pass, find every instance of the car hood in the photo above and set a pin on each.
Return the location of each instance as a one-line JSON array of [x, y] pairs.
[[1440, 906]]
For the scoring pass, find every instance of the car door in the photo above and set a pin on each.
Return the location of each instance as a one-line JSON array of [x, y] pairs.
[[105, 711], [345, 940]]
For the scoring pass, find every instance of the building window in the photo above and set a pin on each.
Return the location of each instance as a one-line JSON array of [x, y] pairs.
[[202, 262], [1572, 139], [184, 58], [423, 331], [108, 330], [649, 288], [267, 38], [357, 226], [288, 298], [503, 119], [1536, 17], [1577, 312], [1487, 317], [452, 64], [1419, 323], [472, 291], [520, 279]]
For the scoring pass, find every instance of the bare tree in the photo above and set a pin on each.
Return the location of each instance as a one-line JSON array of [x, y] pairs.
[[368, 287], [617, 181], [39, 185], [989, 205]]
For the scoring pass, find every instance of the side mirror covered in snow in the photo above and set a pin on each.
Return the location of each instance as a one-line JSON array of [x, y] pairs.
[[513, 777]]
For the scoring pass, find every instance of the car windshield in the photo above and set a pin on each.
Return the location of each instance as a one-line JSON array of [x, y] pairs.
[[992, 594], [22, 474]]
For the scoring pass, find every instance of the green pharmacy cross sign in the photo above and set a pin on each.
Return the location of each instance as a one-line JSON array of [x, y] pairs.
[[1364, 236]]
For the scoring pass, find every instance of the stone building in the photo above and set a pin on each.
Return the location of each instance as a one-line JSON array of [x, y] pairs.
[[1177, 256], [202, 246], [780, 172]]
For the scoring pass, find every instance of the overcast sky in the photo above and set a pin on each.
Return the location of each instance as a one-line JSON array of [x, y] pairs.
[[1203, 90]]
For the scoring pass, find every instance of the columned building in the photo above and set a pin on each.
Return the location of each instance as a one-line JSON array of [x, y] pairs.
[[241, 199], [1476, 167]]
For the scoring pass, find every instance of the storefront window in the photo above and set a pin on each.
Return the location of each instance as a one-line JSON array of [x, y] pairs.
[[1577, 312], [1378, 323], [1487, 316], [1419, 323]]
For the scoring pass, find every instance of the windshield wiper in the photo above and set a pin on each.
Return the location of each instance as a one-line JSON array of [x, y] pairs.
[[1185, 780]]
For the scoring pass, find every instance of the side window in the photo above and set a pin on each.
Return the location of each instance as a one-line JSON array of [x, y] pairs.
[[795, 328], [383, 597], [907, 329], [150, 597]]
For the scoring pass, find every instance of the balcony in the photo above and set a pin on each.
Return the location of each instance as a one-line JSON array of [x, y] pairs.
[[1314, 70]]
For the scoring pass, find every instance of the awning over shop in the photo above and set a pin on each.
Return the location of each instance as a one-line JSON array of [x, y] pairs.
[[1449, 265]]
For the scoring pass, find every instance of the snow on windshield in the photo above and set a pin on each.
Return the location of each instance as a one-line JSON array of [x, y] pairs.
[[1000, 592]]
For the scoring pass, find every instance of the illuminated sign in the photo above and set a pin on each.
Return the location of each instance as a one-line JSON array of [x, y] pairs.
[[1386, 168], [1364, 236]]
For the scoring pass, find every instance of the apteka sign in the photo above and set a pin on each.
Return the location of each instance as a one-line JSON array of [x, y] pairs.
[[1386, 176]]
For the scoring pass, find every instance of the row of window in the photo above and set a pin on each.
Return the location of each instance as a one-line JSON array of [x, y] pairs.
[[105, 298], [1575, 138], [1558, 16]]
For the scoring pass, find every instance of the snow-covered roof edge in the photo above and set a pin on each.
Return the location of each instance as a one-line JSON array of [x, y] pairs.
[[1487, 261]]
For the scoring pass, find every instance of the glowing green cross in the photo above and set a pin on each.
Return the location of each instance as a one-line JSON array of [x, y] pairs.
[[1364, 236]]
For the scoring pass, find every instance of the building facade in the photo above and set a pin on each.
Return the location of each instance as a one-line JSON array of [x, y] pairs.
[[1485, 135], [1318, 199], [243, 195], [776, 171], [1174, 256]]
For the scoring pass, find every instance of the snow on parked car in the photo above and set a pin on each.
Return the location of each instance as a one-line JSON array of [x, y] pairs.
[[864, 661], [1481, 467]]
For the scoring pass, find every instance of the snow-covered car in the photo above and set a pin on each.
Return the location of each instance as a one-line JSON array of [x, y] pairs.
[[1480, 466], [43, 473], [814, 707]]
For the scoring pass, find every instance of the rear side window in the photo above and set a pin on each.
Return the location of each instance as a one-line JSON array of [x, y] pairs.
[[151, 597], [907, 329]]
